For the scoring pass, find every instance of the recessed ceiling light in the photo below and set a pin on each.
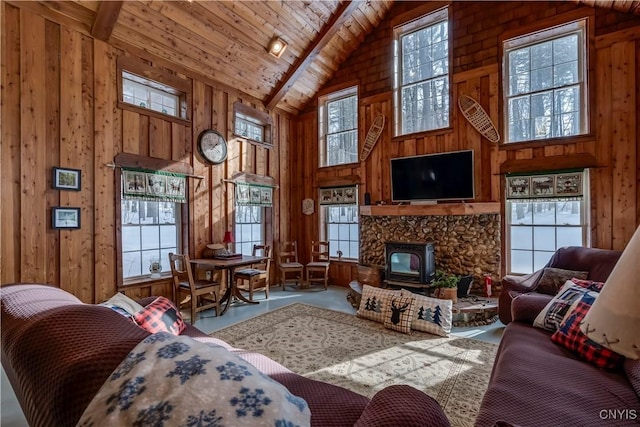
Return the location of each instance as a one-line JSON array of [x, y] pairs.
[[277, 46]]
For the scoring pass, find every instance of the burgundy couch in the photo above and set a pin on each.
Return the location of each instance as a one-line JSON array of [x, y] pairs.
[[536, 382], [57, 353], [598, 262]]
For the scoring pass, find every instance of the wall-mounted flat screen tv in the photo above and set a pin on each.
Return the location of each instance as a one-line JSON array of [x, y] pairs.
[[433, 177]]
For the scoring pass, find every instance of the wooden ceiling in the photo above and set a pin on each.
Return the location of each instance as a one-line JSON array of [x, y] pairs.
[[227, 40]]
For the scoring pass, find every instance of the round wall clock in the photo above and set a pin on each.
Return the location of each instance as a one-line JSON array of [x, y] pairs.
[[212, 146]]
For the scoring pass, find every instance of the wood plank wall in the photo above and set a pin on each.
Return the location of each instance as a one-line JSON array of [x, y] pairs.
[[59, 105], [476, 29]]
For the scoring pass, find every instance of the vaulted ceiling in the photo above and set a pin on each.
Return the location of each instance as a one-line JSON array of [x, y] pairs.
[[227, 40]]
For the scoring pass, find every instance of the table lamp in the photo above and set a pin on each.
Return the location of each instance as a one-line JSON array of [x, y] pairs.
[[613, 319], [228, 238]]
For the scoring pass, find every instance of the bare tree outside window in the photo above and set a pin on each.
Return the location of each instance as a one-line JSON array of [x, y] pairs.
[[546, 90]]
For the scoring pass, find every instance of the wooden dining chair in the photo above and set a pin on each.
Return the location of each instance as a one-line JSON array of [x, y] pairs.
[[257, 276], [203, 294], [318, 268], [288, 263]]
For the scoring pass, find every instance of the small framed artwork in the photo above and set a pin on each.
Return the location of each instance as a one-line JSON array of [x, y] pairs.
[[135, 182], [67, 179], [569, 184], [254, 195], [65, 218], [543, 185], [518, 186], [325, 196], [265, 196]]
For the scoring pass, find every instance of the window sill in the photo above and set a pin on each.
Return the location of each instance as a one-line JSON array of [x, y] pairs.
[[343, 260], [423, 134], [148, 112]]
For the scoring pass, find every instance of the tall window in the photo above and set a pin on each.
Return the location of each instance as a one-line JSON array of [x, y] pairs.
[[421, 83], [537, 227], [545, 84], [341, 230], [150, 230], [249, 229], [338, 127]]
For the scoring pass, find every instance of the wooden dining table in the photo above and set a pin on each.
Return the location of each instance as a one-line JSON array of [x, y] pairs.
[[229, 265]]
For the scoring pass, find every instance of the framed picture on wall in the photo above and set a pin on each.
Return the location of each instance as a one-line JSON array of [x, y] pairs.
[[65, 218], [67, 179], [518, 187]]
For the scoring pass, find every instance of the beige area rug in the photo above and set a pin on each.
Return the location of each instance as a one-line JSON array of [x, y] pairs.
[[363, 356]]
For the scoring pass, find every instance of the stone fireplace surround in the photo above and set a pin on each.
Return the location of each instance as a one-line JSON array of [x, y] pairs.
[[464, 244]]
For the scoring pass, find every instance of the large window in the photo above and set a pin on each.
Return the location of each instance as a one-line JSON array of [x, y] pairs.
[[545, 87], [249, 229], [421, 83], [150, 230], [537, 227], [338, 127], [341, 230]]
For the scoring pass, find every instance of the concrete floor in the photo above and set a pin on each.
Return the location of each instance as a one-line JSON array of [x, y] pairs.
[[333, 298]]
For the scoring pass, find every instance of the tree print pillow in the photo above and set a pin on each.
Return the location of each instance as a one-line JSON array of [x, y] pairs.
[[374, 302], [431, 315]]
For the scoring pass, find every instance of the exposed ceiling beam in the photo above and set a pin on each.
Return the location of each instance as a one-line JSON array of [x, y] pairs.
[[106, 18], [343, 12]]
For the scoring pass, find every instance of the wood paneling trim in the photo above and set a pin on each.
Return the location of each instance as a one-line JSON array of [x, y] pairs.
[[106, 18], [549, 163], [475, 73], [438, 209], [144, 162], [628, 34]]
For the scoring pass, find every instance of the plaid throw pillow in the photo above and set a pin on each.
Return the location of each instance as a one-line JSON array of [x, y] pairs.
[[588, 284], [374, 302], [160, 316], [556, 310], [430, 315], [570, 336], [399, 314]]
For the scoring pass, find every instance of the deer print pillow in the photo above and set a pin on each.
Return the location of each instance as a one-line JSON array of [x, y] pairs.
[[431, 315], [374, 302], [399, 314]]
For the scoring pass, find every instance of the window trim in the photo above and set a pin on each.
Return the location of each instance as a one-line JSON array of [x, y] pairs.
[[146, 72], [585, 214], [263, 223], [432, 14], [337, 93], [588, 14], [261, 117], [137, 161]]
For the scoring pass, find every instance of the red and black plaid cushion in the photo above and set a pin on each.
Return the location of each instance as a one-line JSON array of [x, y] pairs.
[[161, 315], [588, 284], [570, 336]]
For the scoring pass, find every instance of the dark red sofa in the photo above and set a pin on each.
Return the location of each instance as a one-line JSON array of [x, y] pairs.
[[598, 262], [57, 353], [536, 382]]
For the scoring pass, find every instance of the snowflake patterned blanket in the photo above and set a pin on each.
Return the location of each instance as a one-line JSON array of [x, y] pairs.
[[169, 380]]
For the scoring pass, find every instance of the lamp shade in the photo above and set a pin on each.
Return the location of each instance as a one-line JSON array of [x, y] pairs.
[[614, 319], [228, 237]]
